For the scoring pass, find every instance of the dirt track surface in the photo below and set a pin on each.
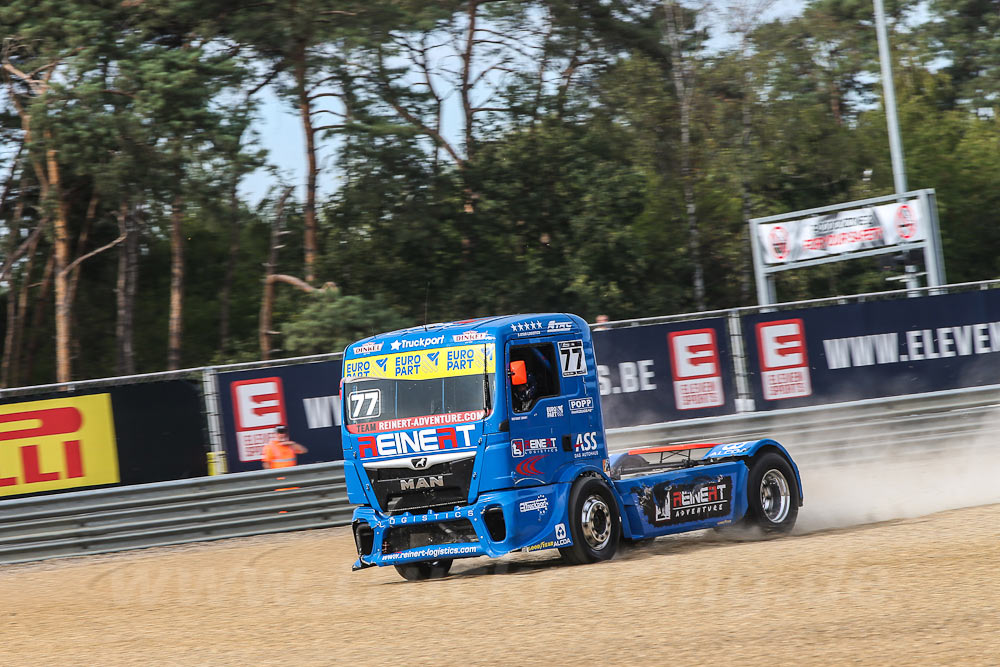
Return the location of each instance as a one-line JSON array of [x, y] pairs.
[[915, 591]]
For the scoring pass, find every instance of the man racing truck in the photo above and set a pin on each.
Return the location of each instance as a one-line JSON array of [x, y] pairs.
[[483, 437]]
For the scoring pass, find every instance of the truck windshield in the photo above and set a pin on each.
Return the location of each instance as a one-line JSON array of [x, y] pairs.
[[379, 404]]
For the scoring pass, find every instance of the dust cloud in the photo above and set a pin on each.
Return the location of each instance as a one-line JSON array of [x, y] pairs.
[[894, 486]]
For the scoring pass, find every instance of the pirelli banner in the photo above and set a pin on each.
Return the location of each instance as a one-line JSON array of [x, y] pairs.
[[663, 372], [841, 232], [305, 398], [127, 434], [873, 349]]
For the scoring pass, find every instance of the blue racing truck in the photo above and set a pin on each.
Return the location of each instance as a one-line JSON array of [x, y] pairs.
[[485, 436]]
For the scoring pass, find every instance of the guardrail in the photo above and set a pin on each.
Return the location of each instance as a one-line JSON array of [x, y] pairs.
[[177, 512], [854, 432], [314, 496]]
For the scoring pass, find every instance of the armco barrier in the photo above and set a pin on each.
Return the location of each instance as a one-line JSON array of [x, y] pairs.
[[313, 496], [176, 512]]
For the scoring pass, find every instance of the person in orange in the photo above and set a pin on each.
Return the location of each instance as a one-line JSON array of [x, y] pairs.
[[280, 452]]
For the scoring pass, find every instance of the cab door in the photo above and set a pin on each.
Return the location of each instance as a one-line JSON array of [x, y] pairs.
[[540, 429]]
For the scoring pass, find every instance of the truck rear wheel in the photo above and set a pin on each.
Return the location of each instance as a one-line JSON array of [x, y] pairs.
[[772, 494], [594, 522], [432, 569]]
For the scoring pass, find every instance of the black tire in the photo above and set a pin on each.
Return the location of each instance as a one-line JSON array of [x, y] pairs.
[[594, 522], [432, 569], [772, 494]]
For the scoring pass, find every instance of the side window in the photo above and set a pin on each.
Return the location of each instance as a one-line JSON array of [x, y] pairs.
[[542, 371]]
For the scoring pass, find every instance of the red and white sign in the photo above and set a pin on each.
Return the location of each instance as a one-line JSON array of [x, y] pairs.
[[694, 362], [841, 232], [259, 406], [784, 364]]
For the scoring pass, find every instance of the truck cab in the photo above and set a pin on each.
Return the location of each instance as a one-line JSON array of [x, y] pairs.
[[485, 436]]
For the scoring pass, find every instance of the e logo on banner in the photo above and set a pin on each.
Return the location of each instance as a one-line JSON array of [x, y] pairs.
[[694, 362], [61, 443], [784, 365], [260, 407]]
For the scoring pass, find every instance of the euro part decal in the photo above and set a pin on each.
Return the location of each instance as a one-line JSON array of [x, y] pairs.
[[60, 443], [425, 364], [666, 504]]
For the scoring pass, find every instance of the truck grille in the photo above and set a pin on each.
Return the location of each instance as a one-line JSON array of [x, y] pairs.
[[400, 538], [441, 486]]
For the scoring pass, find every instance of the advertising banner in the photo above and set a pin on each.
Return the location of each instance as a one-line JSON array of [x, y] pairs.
[[792, 241], [873, 349], [126, 434], [63, 443], [305, 398], [664, 372]]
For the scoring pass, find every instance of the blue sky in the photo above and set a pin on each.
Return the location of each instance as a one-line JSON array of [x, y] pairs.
[[281, 134]]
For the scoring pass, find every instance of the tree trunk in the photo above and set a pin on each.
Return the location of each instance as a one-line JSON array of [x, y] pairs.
[[27, 370], [309, 214], [74, 273], [128, 260], [64, 333], [227, 284], [176, 326], [684, 85], [746, 259], [267, 302], [17, 302]]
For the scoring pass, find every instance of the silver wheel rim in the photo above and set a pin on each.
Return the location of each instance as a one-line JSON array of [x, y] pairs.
[[775, 498], [595, 522]]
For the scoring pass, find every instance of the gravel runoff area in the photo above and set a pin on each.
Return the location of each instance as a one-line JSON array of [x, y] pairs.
[[908, 591]]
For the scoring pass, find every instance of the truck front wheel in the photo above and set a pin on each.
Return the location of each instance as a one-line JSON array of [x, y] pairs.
[[594, 522], [432, 569]]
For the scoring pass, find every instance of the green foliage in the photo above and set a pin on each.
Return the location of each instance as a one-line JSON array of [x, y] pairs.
[[329, 321], [562, 193]]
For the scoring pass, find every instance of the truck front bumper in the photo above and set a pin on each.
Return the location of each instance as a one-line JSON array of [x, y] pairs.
[[498, 523]]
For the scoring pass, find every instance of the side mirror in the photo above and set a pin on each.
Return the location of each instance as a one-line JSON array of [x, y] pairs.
[[518, 373]]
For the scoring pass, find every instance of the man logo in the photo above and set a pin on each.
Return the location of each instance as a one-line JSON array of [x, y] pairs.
[[418, 463], [415, 483]]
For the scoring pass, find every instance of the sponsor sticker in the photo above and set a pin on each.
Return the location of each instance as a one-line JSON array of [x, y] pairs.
[[667, 504], [60, 443], [553, 411], [259, 406], [784, 365], [472, 337], [539, 504], [425, 364], [526, 446], [571, 358], [415, 442], [581, 405], [560, 540], [586, 445], [556, 326], [697, 375], [527, 328], [367, 348]]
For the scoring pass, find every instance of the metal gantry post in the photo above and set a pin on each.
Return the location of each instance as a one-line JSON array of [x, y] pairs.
[[211, 393]]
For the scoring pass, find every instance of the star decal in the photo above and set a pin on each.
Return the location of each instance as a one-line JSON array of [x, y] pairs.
[[395, 345]]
